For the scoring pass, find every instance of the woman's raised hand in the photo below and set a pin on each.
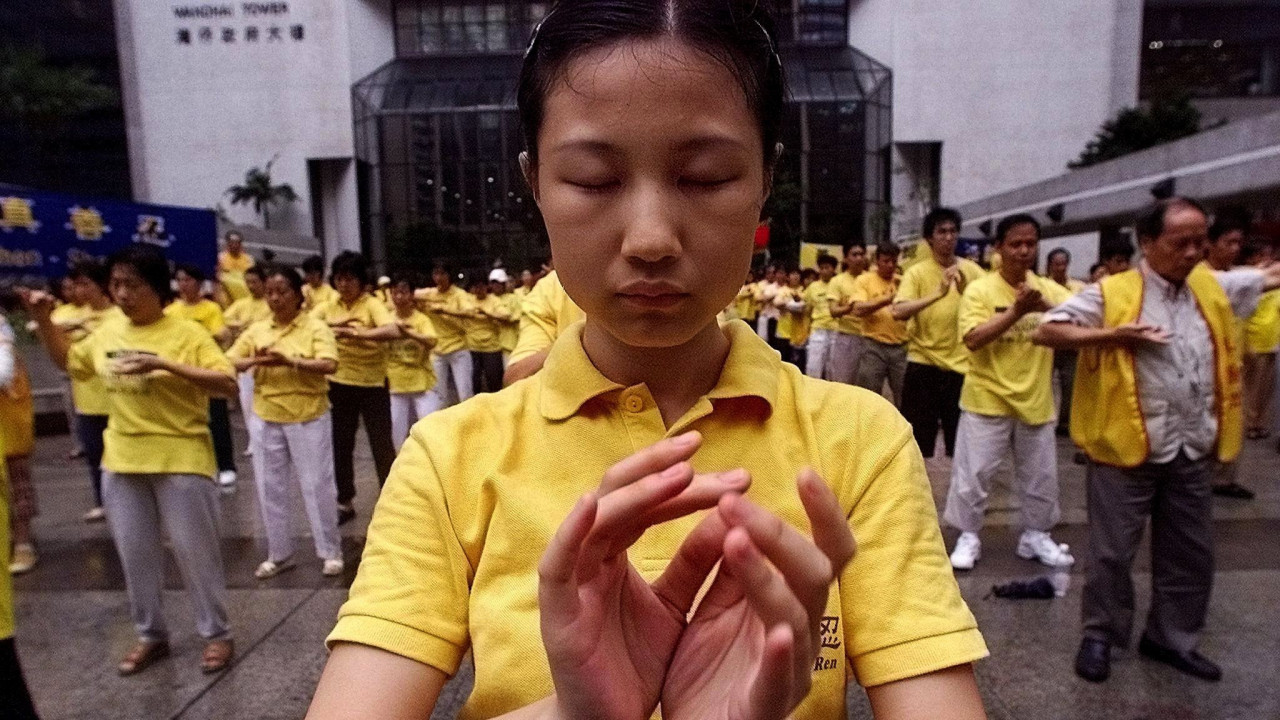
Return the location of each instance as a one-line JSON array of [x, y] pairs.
[[609, 634], [749, 650]]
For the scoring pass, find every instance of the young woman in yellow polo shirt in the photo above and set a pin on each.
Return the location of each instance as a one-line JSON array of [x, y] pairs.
[[411, 376], [158, 463], [289, 356], [562, 529]]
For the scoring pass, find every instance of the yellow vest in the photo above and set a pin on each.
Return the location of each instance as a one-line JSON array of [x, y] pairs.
[[1106, 416]]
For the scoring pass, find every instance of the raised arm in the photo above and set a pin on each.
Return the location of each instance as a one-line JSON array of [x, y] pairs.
[[39, 306]]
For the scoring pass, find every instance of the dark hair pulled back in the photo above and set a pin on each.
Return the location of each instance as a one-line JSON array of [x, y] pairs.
[[737, 33]]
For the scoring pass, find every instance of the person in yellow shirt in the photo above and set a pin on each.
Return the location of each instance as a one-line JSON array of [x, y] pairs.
[[846, 344], [1064, 361], [484, 336], [158, 463], [527, 281], [364, 329], [789, 290], [450, 309], [1007, 401], [15, 698], [68, 314], [566, 550], [509, 328], [1261, 338], [929, 300], [233, 261], [744, 304], [884, 337], [238, 316], [547, 312], [289, 354], [411, 376], [822, 326], [17, 431], [190, 305], [92, 284], [315, 290]]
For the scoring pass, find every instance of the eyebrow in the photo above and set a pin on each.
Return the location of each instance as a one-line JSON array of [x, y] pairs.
[[690, 145]]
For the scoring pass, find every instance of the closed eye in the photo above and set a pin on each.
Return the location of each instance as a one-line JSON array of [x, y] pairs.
[[594, 187], [705, 183]]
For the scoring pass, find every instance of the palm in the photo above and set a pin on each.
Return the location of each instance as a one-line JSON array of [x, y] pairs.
[[721, 648], [618, 645]]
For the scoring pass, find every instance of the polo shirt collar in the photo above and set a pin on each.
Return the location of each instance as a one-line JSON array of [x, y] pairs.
[[568, 379]]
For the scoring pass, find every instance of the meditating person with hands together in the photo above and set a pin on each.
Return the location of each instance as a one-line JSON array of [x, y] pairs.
[[563, 529]]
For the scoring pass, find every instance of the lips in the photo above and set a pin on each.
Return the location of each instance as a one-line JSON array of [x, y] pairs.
[[652, 293]]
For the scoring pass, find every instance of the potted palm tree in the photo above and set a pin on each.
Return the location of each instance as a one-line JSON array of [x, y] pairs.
[[258, 191]]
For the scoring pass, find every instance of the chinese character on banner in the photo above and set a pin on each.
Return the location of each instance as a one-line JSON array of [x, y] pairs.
[[273, 33], [251, 33], [15, 213], [86, 223], [206, 34], [184, 36], [151, 231], [228, 35], [296, 32]]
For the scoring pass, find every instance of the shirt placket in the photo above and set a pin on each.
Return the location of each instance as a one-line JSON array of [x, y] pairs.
[[640, 416]]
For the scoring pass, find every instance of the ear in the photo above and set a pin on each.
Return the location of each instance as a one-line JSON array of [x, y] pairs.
[[530, 173]]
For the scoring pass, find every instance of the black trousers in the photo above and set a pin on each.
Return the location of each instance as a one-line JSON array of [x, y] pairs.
[[89, 429], [1064, 366], [351, 404], [486, 371], [931, 396], [15, 700], [220, 427]]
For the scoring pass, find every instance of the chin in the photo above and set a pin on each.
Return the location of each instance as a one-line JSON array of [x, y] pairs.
[[654, 330]]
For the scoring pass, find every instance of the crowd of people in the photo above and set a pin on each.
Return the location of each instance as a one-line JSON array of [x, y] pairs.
[[636, 481]]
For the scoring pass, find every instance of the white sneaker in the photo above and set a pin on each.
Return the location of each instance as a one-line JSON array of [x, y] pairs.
[[968, 550], [96, 514], [227, 477], [1037, 545], [332, 567]]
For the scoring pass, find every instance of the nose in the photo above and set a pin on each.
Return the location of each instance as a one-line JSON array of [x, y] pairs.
[[652, 233]]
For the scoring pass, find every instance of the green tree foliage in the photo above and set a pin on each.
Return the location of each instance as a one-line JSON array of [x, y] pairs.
[[40, 97], [1135, 129], [258, 191]]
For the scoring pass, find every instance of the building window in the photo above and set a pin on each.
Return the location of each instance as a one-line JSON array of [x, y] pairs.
[[431, 27], [1203, 52]]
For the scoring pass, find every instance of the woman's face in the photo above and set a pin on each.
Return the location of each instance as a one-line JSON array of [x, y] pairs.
[[280, 296], [650, 180], [188, 286]]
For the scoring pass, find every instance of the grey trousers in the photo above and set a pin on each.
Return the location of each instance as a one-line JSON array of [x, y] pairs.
[[1176, 496], [846, 350], [880, 362], [982, 441], [187, 507]]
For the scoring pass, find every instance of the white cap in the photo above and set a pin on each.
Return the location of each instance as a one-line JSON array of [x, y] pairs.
[[384, 280], [498, 275]]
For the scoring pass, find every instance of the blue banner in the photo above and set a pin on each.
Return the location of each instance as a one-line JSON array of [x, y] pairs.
[[41, 233]]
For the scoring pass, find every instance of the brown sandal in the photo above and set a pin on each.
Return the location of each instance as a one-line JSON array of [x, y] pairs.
[[217, 653], [143, 655]]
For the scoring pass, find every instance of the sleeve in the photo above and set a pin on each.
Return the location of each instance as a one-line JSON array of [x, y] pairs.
[[537, 324], [1244, 286], [324, 346], [909, 289], [242, 347], [206, 354], [80, 359], [423, 325], [216, 321], [904, 615], [1084, 308], [381, 315], [411, 594], [974, 310]]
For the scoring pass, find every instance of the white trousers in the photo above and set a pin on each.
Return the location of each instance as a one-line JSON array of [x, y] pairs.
[[816, 366], [982, 441], [252, 423], [408, 408], [303, 451], [453, 376]]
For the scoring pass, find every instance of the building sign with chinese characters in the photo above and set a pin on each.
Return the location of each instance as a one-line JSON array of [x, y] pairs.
[[42, 233], [247, 23]]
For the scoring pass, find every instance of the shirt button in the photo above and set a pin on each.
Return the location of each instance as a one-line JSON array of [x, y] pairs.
[[633, 403]]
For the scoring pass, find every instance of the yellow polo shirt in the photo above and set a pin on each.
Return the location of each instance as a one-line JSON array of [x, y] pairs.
[[931, 335], [509, 330], [246, 311], [158, 423], [206, 313], [839, 292], [547, 311], [283, 394], [786, 318], [451, 331], [454, 544], [745, 303], [1010, 376], [409, 367], [89, 396], [231, 273], [879, 325], [484, 333], [362, 363], [1262, 329], [315, 296], [816, 297]]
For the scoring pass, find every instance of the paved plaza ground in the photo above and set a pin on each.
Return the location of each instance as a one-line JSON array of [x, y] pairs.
[[73, 616]]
